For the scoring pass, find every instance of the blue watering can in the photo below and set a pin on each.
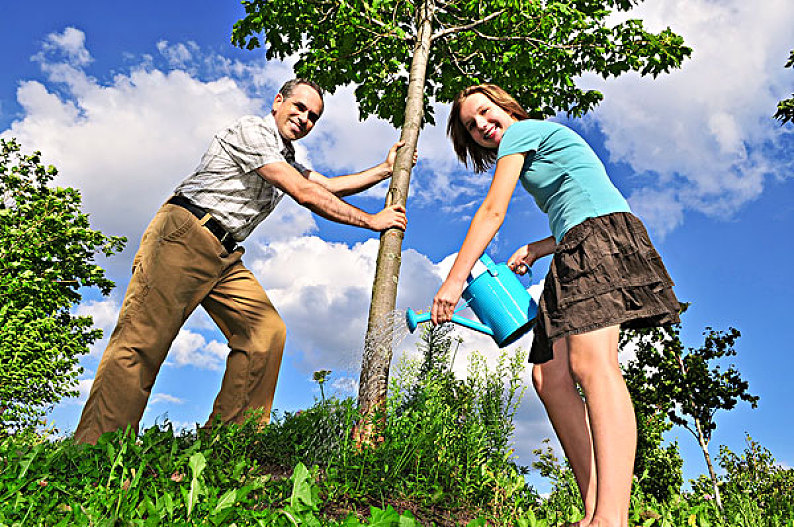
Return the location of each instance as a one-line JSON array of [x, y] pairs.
[[498, 299]]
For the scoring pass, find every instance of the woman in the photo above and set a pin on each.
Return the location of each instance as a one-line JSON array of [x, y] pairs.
[[605, 274]]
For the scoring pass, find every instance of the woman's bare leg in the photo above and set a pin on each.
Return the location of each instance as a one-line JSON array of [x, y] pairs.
[[568, 415], [593, 361]]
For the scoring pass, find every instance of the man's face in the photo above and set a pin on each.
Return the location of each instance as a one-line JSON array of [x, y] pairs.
[[296, 114]]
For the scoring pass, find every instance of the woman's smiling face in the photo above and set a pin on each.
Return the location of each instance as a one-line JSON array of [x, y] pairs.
[[485, 120]]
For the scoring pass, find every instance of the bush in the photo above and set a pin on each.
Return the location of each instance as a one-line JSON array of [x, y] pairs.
[[754, 485]]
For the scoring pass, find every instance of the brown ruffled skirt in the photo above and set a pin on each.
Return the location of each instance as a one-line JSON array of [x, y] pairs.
[[605, 272]]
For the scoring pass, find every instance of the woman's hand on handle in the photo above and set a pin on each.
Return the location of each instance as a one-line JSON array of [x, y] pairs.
[[521, 260], [445, 301], [526, 255]]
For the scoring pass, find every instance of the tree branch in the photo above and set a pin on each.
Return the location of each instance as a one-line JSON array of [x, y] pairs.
[[456, 61], [458, 29], [536, 42], [366, 14]]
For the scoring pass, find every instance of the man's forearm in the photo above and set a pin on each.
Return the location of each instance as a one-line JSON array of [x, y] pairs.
[[353, 183], [314, 195], [323, 202]]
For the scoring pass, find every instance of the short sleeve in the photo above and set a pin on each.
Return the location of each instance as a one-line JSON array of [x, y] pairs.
[[251, 144], [520, 137]]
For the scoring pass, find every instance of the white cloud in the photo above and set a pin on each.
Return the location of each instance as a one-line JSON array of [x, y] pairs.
[[70, 44], [103, 312], [165, 398], [659, 208], [178, 55], [703, 135], [322, 291], [192, 349], [126, 143], [288, 221], [84, 387], [345, 386]]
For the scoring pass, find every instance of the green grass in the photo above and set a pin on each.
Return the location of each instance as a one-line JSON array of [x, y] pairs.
[[443, 457]]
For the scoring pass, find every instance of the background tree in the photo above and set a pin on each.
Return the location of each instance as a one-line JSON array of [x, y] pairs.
[[46, 256], [687, 383], [658, 467], [785, 108], [403, 55]]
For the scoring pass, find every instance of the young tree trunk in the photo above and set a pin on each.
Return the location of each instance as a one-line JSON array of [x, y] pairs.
[[701, 437], [705, 448], [378, 343]]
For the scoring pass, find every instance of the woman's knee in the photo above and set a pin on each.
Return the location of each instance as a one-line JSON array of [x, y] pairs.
[[589, 364], [549, 377]]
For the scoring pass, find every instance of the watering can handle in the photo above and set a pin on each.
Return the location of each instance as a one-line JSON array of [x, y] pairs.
[[492, 267], [489, 264]]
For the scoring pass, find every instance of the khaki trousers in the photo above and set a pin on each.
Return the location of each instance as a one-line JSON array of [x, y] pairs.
[[181, 264]]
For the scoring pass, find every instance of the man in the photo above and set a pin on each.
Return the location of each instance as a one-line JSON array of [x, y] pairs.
[[189, 256]]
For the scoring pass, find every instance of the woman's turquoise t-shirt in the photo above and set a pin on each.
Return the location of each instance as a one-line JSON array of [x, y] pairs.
[[563, 174]]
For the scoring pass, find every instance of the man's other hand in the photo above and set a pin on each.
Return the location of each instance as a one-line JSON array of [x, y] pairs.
[[392, 156], [392, 216]]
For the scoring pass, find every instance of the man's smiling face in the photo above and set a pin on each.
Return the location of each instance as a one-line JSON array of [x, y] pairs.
[[296, 114]]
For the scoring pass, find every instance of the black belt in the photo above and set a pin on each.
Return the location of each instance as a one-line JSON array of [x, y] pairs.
[[207, 220]]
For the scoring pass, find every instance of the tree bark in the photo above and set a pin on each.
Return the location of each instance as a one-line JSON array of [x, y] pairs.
[[377, 347]]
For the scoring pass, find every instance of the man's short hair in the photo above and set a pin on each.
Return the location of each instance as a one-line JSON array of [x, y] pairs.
[[286, 89]]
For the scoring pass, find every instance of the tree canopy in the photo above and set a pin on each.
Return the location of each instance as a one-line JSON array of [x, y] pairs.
[[47, 252], [536, 50]]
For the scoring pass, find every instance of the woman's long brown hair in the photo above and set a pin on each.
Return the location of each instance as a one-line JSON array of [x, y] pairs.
[[482, 158]]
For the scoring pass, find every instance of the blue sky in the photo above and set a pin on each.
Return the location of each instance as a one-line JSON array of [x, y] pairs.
[[123, 99]]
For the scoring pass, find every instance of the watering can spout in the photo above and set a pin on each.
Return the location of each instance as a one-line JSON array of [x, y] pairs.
[[413, 319]]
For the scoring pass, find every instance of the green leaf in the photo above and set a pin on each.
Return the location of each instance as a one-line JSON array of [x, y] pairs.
[[407, 520], [227, 500], [304, 495], [168, 501], [197, 465], [28, 460], [383, 518]]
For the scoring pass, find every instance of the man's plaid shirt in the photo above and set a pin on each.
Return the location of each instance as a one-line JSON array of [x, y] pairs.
[[226, 183]]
